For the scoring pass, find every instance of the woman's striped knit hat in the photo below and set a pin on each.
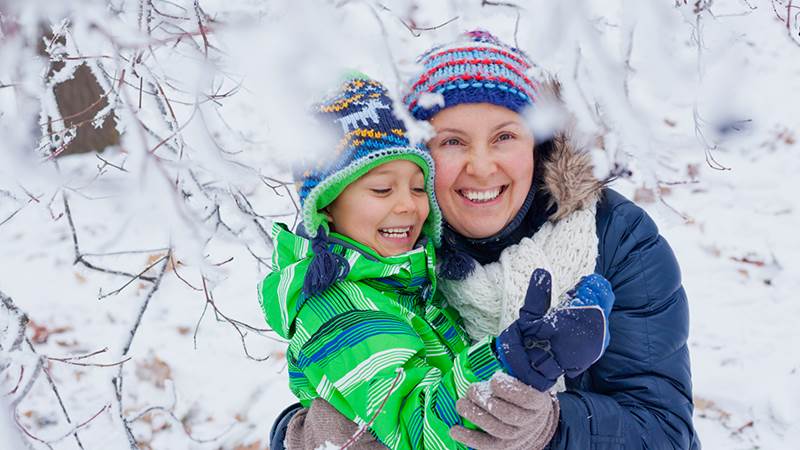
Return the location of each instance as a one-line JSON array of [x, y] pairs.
[[360, 115], [476, 68]]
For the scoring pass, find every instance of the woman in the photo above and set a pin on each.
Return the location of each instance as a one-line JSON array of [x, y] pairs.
[[508, 211]]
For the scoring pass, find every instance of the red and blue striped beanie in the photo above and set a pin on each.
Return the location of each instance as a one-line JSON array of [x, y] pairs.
[[476, 68]]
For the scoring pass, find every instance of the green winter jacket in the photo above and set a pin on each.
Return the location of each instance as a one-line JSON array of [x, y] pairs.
[[379, 345]]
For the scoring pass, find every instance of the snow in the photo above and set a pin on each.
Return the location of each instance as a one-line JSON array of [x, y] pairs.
[[662, 92], [429, 100], [484, 390]]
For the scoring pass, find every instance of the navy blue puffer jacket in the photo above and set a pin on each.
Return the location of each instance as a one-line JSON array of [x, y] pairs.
[[639, 394]]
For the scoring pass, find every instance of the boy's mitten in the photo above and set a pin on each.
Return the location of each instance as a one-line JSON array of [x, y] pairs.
[[540, 346]]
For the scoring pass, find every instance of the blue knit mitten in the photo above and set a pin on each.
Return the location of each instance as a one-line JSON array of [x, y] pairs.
[[540, 346]]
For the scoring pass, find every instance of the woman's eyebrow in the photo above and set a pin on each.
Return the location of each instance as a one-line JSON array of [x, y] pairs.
[[504, 124], [451, 130]]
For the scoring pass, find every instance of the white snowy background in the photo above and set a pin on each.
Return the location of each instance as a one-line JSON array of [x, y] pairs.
[[697, 104]]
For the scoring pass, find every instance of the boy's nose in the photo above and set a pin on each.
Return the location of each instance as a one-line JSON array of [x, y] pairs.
[[405, 203]]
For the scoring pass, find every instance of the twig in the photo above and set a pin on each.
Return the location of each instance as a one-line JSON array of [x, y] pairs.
[[363, 429], [19, 381], [117, 381], [70, 361], [135, 277], [415, 30], [175, 265], [130, 252], [697, 36], [109, 163], [74, 430], [53, 387], [170, 411], [153, 289], [233, 322], [506, 4], [7, 219], [683, 216], [28, 433], [79, 258]]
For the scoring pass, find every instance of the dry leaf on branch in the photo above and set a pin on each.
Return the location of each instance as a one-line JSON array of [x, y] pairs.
[[41, 333]]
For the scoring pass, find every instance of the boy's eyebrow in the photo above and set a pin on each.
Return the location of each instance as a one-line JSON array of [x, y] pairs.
[[379, 171]]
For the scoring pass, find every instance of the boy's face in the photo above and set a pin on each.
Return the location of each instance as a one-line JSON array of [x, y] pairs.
[[384, 209]]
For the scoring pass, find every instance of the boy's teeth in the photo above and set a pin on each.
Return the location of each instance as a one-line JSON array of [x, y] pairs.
[[395, 232], [481, 196]]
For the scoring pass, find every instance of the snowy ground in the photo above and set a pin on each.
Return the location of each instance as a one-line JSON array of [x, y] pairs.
[[735, 233], [739, 254]]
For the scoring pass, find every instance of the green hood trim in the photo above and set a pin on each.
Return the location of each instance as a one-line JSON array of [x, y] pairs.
[[326, 192]]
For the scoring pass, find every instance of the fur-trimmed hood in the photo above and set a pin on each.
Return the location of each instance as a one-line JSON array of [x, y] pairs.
[[568, 172]]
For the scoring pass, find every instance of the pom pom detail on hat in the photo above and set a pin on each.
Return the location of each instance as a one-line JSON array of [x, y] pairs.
[[477, 68]]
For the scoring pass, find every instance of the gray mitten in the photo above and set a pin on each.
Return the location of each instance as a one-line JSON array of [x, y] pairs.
[[512, 415], [311, 428]]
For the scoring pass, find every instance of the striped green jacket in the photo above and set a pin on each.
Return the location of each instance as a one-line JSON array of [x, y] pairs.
[[377, 345]]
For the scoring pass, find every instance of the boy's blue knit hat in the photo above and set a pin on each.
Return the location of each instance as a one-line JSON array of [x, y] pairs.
[[476, 68], [360, 115]]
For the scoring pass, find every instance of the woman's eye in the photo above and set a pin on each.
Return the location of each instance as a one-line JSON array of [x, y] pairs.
[[451, 141], [505, 137], [419, 190]]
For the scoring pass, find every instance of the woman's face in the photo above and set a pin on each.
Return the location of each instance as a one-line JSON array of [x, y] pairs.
[[484, 166]]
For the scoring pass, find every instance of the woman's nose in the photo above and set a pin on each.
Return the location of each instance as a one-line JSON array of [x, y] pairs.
[[481, 163]]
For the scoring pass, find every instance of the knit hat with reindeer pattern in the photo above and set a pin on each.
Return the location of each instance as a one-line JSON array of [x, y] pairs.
[[360, 115]]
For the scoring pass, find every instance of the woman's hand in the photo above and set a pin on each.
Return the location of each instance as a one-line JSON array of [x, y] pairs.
[[540, 346], [312, 428], [511, 414]]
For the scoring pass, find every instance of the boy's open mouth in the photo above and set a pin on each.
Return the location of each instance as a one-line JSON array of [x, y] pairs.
[[396, 232], [483, 196]]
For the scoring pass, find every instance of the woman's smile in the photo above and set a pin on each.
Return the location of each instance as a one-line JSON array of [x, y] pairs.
[[482, 197]]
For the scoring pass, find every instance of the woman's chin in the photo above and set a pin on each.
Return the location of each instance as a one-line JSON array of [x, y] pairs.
[[479, 220], [478, 228]]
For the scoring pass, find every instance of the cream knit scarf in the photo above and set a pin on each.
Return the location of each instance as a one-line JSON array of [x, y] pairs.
[[489, 299]]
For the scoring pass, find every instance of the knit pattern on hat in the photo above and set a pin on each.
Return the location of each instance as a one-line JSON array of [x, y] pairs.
[[361, 117], [477, 68]]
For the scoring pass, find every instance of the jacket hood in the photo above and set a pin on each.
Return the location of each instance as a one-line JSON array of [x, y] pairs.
[[568, 173]]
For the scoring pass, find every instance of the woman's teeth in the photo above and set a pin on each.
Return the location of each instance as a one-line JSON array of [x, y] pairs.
[[481, 196], [395, 233]]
